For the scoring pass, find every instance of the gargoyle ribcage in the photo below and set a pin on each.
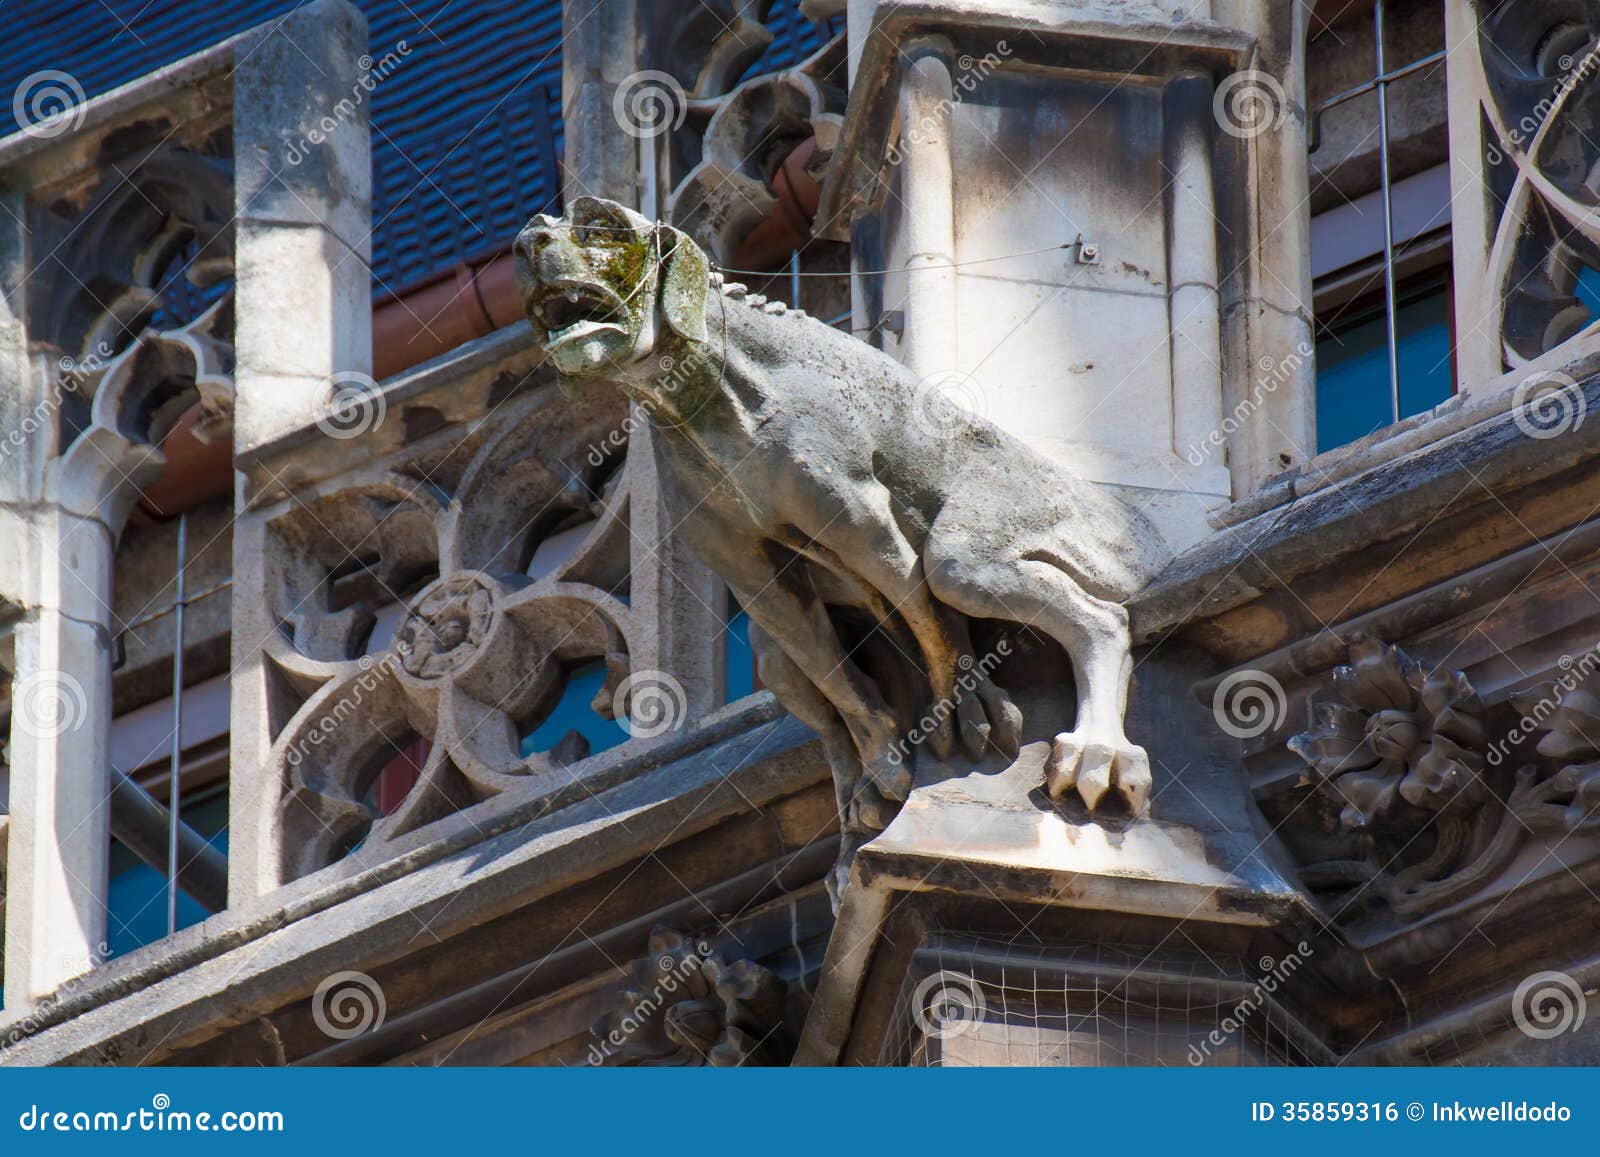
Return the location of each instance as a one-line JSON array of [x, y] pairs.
[[448, 611]]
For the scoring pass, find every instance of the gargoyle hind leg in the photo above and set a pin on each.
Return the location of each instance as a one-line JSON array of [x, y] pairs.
[[863, 812], [788, 609], [1096, 754], [891, 570]]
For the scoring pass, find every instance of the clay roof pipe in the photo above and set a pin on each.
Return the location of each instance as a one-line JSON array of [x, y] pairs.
[[469, 301]]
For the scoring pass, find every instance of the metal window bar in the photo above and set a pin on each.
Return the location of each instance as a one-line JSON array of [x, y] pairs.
[[175, 788], [1379, 84], [155, 832]]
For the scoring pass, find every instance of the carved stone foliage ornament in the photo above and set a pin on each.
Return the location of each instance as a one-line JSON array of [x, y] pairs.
[[687, 1005], [862, 531], [1396, 736], [447, 604], [1429, 813]]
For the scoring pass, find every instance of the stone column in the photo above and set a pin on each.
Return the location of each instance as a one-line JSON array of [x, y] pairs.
[[677, 598], [304, 308], [1266, 292], [60, 842], [303, 192], [1478, 352], [928, 343], [1192, 303], [601, 42]]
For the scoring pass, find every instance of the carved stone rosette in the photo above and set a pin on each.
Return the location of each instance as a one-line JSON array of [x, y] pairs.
[[689, 1006], [500, 580]]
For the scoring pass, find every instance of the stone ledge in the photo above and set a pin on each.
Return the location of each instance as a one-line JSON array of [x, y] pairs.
[[1396, 495], [464, 855]]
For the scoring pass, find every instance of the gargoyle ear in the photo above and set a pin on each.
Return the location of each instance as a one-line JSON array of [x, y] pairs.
[[685, 274]]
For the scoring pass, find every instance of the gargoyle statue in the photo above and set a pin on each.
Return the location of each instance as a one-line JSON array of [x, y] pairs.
[[795, 466]]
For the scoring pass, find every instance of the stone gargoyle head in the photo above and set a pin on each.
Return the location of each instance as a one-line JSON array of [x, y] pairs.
[[603, 287]]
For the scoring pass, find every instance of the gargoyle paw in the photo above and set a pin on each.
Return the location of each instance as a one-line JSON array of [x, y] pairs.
[[1094, 767]]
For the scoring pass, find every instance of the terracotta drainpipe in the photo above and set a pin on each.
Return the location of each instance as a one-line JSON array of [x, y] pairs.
[[788, 226], [470, 301]]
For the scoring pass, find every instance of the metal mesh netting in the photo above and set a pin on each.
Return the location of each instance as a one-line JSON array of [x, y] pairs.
[[968, 1002]]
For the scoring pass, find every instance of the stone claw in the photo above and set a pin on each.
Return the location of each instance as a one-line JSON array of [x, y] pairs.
[[1005, 719], [942, 739], [974, 725], [1093, 768], [892, 778]]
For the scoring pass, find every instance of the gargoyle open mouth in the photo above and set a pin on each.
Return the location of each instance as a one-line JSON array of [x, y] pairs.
[[574, 309]]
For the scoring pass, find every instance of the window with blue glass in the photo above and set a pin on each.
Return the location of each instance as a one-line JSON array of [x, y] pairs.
[[740, 660], [1354, 393]]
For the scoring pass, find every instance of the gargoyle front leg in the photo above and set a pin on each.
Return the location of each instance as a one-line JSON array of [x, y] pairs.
[[863, 811], [1096, 755]]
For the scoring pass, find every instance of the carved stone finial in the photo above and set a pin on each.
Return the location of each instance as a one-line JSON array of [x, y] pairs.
[[1405, 751], [688, 1005]]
